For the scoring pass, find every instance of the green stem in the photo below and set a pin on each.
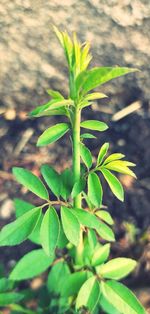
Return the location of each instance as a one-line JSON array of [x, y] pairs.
[[76, 153]]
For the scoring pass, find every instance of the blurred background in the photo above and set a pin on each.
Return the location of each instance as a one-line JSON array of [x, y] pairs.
[[31, 61]]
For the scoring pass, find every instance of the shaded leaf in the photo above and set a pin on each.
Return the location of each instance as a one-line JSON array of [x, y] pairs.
[[78, 187], [72, 285], [95, 192], [66, 183], [87, 135], [10, 297], [31, 265], [52, 178], [31, 182], [58, 275], [50, 230], [71, 225], [18, 231]]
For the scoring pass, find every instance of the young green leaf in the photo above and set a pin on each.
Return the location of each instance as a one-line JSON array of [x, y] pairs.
[[114, 184], [52, 134], [66, 183], [55, 94], [31, 265], [102, 153], [18, 231], [6, 285], [105, 216], [52, 178], [23, 207], [112, 157], [94, 125], [72, 285], [94, 96], [31, 182], [95, 192], [105, 232], [88, 295], [95, 77], [121, 166], [86, 155], [87, 135], [50, 230], [107, 307], [78, 187], [117, 268], [100, 255], [58, 275], [121, 298], [71, 225], [10, 298]]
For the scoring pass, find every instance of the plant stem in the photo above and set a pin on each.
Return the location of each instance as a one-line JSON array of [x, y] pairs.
[[76, 153]]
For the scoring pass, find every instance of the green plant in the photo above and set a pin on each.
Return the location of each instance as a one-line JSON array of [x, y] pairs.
[[72, 229]]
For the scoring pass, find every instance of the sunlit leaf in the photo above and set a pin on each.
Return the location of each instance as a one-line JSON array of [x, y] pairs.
[[86, 155], [102, 153], [114, 184], [105, 216], [121, 298], [71, 225], [100, 255], [88, 295], [121, 167], [117, 268], [94, 125]]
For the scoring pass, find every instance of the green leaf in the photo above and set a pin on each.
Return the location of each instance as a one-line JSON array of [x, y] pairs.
[[52, 134], [94, 125], [23, 207], [97, 76], [121, 298], [59, 104], [100, 255], [52, 178], [94, 96], [71, 225], [105, 216], [105, 232], [62, 240], [50, 230], [95, 192], [6, 285], [72, 285], [78, 187], [114, 184], [107, 307], [102, 153], [66, 183], [55, 94], [31, 265], [90, 242], [57, 277], [18, 231], [91, 221], [86, 155], [117, 268], [87, 135], [10, 297], [121, 166], [88, 295], [31, 182], [112, 157]]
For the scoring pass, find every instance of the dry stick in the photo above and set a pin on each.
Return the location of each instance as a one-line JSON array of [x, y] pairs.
[[23, 141], [126, 111]]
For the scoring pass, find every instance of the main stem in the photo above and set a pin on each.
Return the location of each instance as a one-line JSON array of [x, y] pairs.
[[76, 152], [76, 174]]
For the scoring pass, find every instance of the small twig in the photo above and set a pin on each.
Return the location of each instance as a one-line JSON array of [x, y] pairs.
[[126, 111], [23, 141]]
